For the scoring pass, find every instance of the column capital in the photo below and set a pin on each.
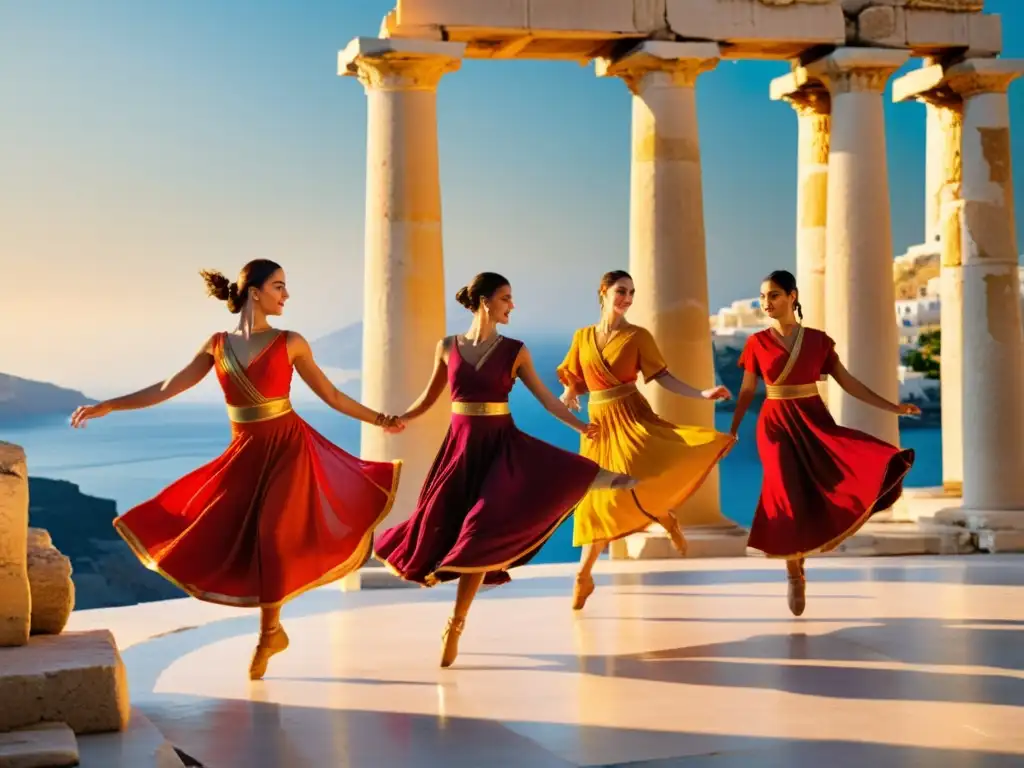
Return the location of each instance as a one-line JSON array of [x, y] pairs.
[[807, 96], [977, 76], [682, 63], [928, 84], [856, 70], [390, 64]]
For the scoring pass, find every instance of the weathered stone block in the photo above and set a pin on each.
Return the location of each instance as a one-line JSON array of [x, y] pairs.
[[582, 15], [15, 605], [730, 21], [39, 538], [76, 678], [985, 33], [962, 6], [53, 592], [701, 542], [650, 16], [464, 13], [141, 745], [932, 30], [47, 745], [883, 26]]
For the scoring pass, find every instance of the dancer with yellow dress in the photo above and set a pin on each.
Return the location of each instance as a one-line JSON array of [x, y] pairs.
[[669, 462]]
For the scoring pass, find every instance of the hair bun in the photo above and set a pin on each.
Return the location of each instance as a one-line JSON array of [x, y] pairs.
[[217, 286], [462, 296]]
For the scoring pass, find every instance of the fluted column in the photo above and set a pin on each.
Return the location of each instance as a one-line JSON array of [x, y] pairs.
[[667, 243], [860, 294], [993, 339], [943, 203], [403, 283]]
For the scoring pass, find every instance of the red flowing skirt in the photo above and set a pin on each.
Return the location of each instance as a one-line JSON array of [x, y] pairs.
[[821, 481], [281, 511], [493, 496]]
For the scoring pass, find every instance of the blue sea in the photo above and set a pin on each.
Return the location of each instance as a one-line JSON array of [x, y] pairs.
[[128, 457]]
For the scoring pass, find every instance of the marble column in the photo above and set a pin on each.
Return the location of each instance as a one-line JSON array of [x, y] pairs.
[[813, 107], [943, 204], [993, 339], [667, 243], [860, 294], [403, 284]]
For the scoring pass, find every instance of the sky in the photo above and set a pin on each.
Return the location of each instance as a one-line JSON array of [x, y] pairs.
[[145, 141]]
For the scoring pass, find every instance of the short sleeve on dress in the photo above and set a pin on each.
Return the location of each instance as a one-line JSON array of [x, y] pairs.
[[748, 357], [570, 372], [652, 364], [829, 357]]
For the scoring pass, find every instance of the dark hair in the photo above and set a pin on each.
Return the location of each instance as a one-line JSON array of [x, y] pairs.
[[483, 286], [253, 275], [787, 283], [608, 279]]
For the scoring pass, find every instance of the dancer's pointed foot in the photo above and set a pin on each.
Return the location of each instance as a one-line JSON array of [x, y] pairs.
[[270, 643], [675, 534], [450, 640], [583, 589], [797, 595], [623, 483]]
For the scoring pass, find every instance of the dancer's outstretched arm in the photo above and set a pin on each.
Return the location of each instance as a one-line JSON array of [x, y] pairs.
[[525, 371], [747, 390], [681, 388], [306, 366], [154, 394], [858, 389], [435, 387]]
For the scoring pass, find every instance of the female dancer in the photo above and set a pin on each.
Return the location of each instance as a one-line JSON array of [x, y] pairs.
[[821, 481], [282, 510], [494, 495], [669, 462]]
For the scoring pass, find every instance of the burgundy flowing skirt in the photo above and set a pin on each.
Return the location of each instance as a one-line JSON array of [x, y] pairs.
[[492, 497], [822, 482]]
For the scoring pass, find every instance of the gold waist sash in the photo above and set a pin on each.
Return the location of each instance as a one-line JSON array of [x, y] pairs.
[[247, 414], [615, 393], [791, 391], [480, 409]]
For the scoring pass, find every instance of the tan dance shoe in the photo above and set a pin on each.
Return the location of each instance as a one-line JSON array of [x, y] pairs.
[[270, 643], [797, 596], [583, 589], [450, 641], [675, 534]]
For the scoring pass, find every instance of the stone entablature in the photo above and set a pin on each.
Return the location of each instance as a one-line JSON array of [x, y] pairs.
[[583, 30]]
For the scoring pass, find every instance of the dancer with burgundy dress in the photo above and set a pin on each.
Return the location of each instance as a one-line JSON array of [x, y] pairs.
[[821, 481], [282, 510], [494, 495]]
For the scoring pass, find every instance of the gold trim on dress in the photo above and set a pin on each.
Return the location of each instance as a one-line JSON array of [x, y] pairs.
[[613, 393], [791, 391], [794, 355], [248, 414], [480, 409], [233, 368]]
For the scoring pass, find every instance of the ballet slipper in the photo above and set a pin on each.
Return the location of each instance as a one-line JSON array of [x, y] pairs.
[[675, 534], [270, 643], [797, 593], [450, 641], [583, 589]]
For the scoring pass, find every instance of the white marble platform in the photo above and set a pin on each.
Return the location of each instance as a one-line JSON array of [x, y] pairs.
[[897, 662]]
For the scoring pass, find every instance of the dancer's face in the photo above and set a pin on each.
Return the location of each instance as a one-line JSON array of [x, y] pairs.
[[618, 297], [271, 296], [499, 305], [775, 302]]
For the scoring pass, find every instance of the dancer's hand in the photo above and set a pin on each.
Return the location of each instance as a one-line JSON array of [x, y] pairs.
[[85, 412], [393, 425], [908, 409], [570, 400], [720, 392], [591, 431]]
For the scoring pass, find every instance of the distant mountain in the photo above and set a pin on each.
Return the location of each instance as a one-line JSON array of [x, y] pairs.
[[340, 349], [22, 399]]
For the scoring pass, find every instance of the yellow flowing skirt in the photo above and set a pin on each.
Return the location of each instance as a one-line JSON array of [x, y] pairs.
[[669, 461]]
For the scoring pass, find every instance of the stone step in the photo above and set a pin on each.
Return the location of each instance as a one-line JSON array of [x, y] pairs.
[[140, 745], [76, 678], [46, 745], [701, 542]]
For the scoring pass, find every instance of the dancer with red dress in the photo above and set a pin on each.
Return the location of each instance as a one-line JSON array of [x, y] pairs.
[[494, 495], [282, 510], [821, 481]]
